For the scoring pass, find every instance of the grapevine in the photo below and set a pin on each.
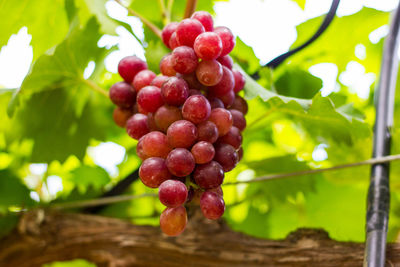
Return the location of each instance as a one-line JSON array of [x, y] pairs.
[[188, 120]]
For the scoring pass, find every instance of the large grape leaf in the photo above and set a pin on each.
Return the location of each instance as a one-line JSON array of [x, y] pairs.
[[36, 16], [12, 191], [337, 44], [87, 176]]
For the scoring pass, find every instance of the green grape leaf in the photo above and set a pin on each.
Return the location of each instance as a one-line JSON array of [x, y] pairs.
[[245, 57], [36, 16], [340, 48], [13, 191], [154, 52], [301, 3], [86, 176], [296, 82]]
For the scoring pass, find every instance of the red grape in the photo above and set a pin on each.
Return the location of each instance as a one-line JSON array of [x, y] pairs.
[[168, 31], [129, 66], [238, 119], [209, 72], [172, 193], [184, 59], [175, 91], [142, 79], [149, 98], [227, 38], [240, 153], [152, 122], [173, 221], [233, 138], [215, 102], [173, 41], [120, 116], [137, 126], [222, 118], [122, 94], [228, 99], [226, 61], [187, 31], [227, 156], [226, 84], [207, 131], [212, 205], [180, 162], [240, 104], [182, 133], [155, 144], [191, 80], [139, 150], [240, 80], [153, 172], [205, 19], [217, 190], [159, 80], [208, 45], [166, 115], [166, 66], [203, 152], [209, 175], [194, 92], [196, 109]]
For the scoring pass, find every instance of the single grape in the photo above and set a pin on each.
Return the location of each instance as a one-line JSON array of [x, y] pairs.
[[129, 66], [166, 33], [212, 205], [191, 80], [159, 80], [208, 45], [172, 193], [228, 98], [209, 175], [142, 79], [207, 131], [175, 91], [187, 31], [203, 152], [166, 66], [240, 153], [240, 80], [137, 126], [227, 156], [180, 162], [139, 150], [205, 19], [152, 122], [153, 172], [217, 190], [121, 115], [233, 138], [184, 59], [227, 38], [122, 94], [238, 119], [209, 72], [173, 221], [215, 102], [166, 115], [182, 133], [226, 84], [173, 41], [240, 104], [222, 118], [226, 61], [155, 144], [196, 109], [149, 98]]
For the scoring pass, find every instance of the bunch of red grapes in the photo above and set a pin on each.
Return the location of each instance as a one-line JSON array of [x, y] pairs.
[[188, 120]]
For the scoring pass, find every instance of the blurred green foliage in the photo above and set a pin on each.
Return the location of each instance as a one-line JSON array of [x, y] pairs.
[[55, 117]]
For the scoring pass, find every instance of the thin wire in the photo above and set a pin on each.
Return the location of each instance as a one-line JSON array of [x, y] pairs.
[[116, 199]]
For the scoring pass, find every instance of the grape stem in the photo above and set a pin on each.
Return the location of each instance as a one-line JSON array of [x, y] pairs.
[[190, 8], [170, 3], [116, 199], [164, 12], [146, 22], [95, 87]]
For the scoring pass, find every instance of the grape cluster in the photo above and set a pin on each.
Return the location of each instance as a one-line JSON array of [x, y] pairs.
[[188, 120]]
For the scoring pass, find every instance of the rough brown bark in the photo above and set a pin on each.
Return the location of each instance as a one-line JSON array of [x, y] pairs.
[[43, 237]]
